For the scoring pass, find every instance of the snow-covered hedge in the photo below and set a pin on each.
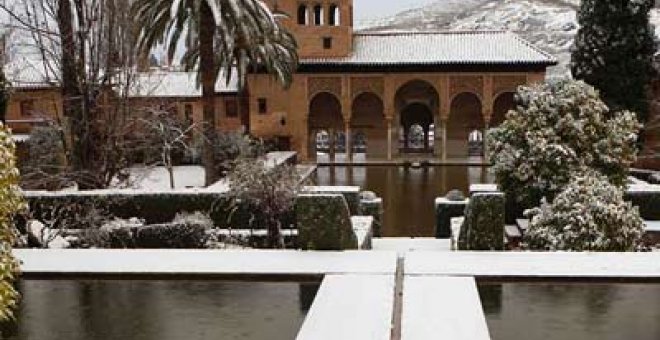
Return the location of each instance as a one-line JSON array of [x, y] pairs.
[[10, 203], [556, 130], [590, 214]]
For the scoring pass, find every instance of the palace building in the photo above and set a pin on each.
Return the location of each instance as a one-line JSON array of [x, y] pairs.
[[383, 95], [389, 94]]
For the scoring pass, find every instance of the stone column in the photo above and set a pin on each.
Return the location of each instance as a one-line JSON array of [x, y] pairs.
[[349, 142], [485, 142], [331, 145], [437, 138], [389, 139], [444, 139], [311, 145]]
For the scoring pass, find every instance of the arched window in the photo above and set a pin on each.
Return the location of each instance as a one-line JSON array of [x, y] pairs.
[[334, 15], [303, 15], [318, 15]]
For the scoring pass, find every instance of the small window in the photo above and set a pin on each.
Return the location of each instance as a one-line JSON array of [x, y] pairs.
[[333, 16], [27, 107], [318, 15], [303, 15], [327, 43], [231, 108], [263, 106], [188, 113]]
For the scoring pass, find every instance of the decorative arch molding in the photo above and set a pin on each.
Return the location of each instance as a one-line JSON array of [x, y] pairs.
[[463, 84], [503, 84], [361, 85], [325, 112], [417, 91], [317, 85]]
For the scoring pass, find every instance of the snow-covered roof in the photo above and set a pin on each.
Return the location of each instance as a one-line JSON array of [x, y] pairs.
[[26, 73], [164, 84], [440, 48]]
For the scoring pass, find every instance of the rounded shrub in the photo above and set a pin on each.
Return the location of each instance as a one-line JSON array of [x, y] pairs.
[[590, 214], [557, 129]]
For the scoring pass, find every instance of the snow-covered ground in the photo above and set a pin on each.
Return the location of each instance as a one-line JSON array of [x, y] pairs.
[[158, 179]]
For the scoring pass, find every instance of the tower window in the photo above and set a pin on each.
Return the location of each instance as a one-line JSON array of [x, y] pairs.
[[327, 43], [334, 15], [318, 15], [27, 107], [263, 106], [303, 15]]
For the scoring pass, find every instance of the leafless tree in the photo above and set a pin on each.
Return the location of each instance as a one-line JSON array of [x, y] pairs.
[[166, 134], [88, 48]]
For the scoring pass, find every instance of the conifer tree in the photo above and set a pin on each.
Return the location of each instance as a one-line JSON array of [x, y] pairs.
[[614, 51]]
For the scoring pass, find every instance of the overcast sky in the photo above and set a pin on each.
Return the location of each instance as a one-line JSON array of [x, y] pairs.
[[371, 9]]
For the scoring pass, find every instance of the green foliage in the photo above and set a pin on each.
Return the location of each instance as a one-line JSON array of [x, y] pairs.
[[246, 33], [268, 193], [45, 164], [324, 223], [556, 130], [4, 94], [614, 51], [231, 147], [590, 214], [11, 203], [483, 228]]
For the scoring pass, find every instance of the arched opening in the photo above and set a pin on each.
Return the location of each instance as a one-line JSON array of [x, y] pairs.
[[417, 103], [318, 15], [334, 15], [504, 103], [368, 120], [416, 123], [325, 125], [303, 15], [465, 127]]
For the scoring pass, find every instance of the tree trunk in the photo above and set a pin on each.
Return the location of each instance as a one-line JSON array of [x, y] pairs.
[[208, 78], [71, 96]]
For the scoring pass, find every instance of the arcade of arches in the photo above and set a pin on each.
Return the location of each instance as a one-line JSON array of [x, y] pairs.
[[446, 117]]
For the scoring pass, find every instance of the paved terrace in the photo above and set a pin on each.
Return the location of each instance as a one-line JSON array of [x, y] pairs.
[[364, 295]]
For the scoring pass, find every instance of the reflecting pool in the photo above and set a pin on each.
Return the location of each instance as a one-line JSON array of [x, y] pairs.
[[516, 311], [159, 310], [408, 193]]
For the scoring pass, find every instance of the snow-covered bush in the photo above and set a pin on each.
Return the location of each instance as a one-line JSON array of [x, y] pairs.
[[45, 165], [230, 147], [267, 194], [11, 202], [590, 214], [556, 130]]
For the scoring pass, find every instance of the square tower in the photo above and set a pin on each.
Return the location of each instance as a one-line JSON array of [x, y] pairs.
[[323, 28]]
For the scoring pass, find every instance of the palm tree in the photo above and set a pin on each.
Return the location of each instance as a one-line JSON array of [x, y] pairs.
[[224, 36]]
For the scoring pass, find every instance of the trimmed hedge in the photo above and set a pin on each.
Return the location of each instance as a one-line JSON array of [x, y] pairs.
[[153, 208], [483, 228], [324, 223], [445, 210], [647, 201]]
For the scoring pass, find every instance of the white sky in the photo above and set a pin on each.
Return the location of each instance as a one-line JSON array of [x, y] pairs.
[[371, 9]]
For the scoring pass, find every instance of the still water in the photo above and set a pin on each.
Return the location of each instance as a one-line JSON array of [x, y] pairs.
[[517, 311], [408, 193], [158, 310]]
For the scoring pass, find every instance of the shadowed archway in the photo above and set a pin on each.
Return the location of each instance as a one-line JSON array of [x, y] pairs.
[[417, 104], [368, 122], [324, 115], [502, 105], [464, 119]]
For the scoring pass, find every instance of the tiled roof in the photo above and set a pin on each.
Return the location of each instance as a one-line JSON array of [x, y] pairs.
[[440, 48], [163, 84], [27, 73]]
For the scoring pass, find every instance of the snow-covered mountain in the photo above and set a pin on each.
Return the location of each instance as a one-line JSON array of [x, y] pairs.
[[548, 24]]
